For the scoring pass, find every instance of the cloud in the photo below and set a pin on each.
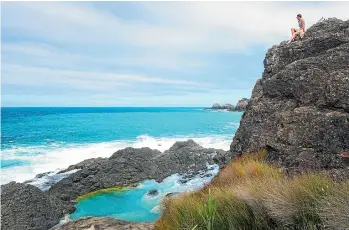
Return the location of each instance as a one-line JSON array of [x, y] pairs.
[[146, 53], [48, 55], [179, 27], [34, 76]]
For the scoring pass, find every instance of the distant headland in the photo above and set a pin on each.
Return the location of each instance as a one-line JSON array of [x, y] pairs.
[[239, 107]]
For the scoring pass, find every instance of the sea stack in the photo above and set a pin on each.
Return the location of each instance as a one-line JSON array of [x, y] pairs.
[[242, 105], [226, 106]]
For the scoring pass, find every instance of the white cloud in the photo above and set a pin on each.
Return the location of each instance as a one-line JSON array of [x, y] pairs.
[[180, 27], [35, 76], [43, 54], [79, 46]]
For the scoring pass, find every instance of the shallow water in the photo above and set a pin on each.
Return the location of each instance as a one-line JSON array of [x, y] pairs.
[[135, 204]]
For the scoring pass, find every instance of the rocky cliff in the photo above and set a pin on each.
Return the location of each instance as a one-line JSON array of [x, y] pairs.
[[299, 109]]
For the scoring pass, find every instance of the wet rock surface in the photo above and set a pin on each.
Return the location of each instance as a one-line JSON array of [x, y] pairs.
[[299, 109], [130, 166], [153, 192]]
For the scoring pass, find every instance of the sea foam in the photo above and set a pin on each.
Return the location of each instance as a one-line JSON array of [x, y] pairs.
[[58, 156]]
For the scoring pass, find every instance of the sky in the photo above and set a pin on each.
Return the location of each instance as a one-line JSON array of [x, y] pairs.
[[142, 53]]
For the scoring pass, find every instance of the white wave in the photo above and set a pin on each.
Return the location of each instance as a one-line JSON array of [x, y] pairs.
[[55, 157], [46, 181]]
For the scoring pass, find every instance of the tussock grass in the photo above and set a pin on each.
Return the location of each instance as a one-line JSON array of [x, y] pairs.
[[334, 209], [251, 194]]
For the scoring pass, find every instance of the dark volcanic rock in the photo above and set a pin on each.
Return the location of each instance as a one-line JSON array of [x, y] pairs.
[[82, 164], [40, 175], [27, 207], [153, 192], [106, 223], [299, 109], [172, 194], [129, 166]]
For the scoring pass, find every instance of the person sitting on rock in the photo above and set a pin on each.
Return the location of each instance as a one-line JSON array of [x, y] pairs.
[[301, 29]]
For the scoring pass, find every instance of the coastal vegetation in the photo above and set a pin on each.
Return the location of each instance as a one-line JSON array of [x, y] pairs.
[[250, 193]]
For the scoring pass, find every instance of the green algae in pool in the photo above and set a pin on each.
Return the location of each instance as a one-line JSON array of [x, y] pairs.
[[136, 204], [127, 205]]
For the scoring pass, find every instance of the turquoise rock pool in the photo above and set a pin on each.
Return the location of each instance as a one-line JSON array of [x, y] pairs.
[[136, 204]]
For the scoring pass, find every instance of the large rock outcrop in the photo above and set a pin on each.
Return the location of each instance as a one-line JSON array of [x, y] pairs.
[[299, 110], [130, 166], [27, 207], [242, 105]]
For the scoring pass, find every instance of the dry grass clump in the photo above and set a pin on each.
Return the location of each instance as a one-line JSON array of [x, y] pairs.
[[334, 209], [251, 194]]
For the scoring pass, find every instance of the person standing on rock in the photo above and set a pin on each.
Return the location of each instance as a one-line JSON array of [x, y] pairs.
[[301, 29]]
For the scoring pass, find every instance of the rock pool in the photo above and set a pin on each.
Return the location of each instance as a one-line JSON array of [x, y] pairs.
[[141, 203]]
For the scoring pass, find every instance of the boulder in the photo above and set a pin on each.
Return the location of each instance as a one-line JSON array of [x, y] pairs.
[[153, 192], [25, 207]]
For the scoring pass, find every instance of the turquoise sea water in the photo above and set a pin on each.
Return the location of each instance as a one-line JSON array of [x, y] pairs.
[[37, 140]]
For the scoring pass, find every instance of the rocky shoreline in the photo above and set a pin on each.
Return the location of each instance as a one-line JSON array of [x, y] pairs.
[[125, 167], [299, 113]]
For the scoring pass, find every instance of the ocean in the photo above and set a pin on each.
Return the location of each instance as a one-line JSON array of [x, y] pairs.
[[38, 140]]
